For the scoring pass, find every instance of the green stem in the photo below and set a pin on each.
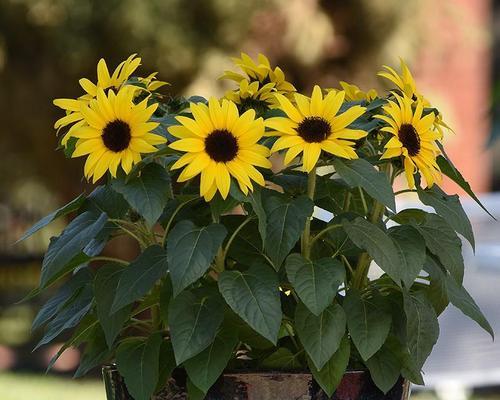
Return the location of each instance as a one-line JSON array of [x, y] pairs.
[[363, 200], [171, 220], [306, 234], [233, 236], [121, 223], [110, 259], [323, 232]]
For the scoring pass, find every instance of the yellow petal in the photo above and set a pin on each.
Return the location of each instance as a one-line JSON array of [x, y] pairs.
[[311, 155], [317, 101], [223, 180], [188, 145]]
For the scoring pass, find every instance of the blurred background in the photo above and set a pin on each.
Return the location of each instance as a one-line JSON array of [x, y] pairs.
[[452, 46]]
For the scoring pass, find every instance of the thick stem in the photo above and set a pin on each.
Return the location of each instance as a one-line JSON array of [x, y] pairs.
[[306, 234]]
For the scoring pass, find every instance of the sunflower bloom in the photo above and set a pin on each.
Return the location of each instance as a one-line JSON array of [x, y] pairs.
[[220, 144], [413, 138], [105, 81], [114, 132], [252, 95], [354, 93], [262, 72], [313, 126], [405, 82]]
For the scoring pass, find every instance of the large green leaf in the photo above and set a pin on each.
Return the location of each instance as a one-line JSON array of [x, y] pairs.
[[69, 316], [360, 173], [77, 235], [421, 325], [451, 172], [377, 244], [282, 360], [205, 368], [105, 285], [331, 374], [384, 367], [443, 242], [411, 248], [461, 299], [95, 353], [137, 361], [147, 193], [140, 276], [316, 282], [436, 292], [247, 246], [368, 320], [320, 335], [450, 209], [105, 199], [194, 318], [254, 296], [285, 222], [72, 206], [191, 250], [63, 294]]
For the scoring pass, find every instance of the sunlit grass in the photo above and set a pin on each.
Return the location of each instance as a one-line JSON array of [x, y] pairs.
[[14, 386]]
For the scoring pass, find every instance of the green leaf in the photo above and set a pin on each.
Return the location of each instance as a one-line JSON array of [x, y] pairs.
[[105, 199], [450, 209], [436, 292], [320, 335], [451, 172], [147, 193], [331, 374], [194, 393], [205, 368], [316, 282], [378, 245], [282, 359], [254, 296], [195, 317], [461, 299], [137, 361], [95, 353], [411, 248], [247, 246], [443, 242], [63, 294], [69, 316], [167, 364], [360, 173], [409, 215], [421, 325], [368, 320], [191, 250], [72, 206], [385, 368], [140, 276], [285, 222], [105, 285], [78, 234], [165, 298]]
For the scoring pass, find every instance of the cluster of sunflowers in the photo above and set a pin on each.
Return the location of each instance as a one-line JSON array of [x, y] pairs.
[[117, 121]]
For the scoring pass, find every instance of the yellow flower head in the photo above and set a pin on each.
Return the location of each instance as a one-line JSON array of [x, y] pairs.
[[260, 71], [220, 144], [114, 131], [315, 125], [413, 138], [354, 93], [406, 84], [105, 81], [252, 95], [403, 81]]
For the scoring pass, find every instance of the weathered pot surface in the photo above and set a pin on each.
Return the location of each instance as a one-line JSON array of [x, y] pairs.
[[355, 385]]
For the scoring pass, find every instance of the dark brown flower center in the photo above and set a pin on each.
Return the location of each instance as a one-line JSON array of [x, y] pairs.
[[116, 135], [221, 145], [314, 129], [408, 136]]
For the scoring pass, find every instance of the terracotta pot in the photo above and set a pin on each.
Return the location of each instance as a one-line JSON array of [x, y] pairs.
[[355, 385]]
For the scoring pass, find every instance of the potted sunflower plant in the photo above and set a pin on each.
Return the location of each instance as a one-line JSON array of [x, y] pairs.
[[300, 278]]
